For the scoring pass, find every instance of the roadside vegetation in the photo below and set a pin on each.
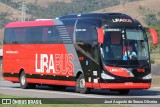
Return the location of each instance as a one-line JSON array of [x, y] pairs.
[[155, 50]]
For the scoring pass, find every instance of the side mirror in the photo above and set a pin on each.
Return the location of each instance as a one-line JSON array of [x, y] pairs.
[[100, 33], [154, 36]]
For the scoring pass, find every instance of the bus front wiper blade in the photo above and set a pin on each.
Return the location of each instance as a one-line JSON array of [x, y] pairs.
[[143, 65], [115, 65]]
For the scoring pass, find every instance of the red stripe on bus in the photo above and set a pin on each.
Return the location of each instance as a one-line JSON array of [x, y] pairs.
[[12, 79], [125, 85], [30, 24], [51, 82], [89, 85]]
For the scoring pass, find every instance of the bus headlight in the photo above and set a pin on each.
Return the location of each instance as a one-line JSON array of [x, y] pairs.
[[149, 76], [105, 76]]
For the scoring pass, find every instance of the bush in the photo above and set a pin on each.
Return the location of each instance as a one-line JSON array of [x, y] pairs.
[[3, 19], [155, 49], [152, 20]]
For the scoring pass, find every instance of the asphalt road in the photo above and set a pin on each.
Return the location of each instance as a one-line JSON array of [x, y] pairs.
[[14, 89]]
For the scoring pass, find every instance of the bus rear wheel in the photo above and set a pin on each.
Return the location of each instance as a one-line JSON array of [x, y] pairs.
[[81, 85], [23, 82], [124, 92]]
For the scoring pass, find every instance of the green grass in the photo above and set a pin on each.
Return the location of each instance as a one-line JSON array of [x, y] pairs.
[[60, 104], [63, 105], [8, 96]]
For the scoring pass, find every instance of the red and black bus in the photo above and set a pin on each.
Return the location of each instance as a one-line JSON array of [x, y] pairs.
[[87, 51]]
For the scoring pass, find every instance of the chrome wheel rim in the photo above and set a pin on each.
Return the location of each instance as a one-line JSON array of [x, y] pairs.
[[23, 80], [82, 83]]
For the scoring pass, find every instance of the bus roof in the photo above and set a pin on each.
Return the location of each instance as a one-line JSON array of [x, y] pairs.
[[111, 19], [95, 15], [34, 23]]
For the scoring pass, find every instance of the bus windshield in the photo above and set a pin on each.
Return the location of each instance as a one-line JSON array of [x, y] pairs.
[[125, 45]]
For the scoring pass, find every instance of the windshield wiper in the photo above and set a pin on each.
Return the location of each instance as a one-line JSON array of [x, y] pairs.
[[115, 65]]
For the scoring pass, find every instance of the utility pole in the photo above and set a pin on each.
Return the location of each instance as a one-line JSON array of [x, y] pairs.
[[23, 11]]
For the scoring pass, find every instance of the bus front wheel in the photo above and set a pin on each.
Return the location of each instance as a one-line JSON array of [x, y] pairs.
[[81, 85], [23, 82]]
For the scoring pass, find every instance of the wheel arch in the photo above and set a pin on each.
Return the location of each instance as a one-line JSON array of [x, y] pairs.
[[78, 74], [20, 72]]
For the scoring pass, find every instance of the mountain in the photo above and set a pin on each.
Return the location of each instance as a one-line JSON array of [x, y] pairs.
[[137, 9]]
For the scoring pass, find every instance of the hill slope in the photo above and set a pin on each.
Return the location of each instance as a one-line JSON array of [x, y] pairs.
[[43, 2], [137, 9], [14, 14]]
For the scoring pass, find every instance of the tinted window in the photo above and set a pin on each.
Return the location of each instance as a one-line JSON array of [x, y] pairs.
[[32, 35], [112, 47], [69, 25], [19, 35], [8, 37], [86, 32]]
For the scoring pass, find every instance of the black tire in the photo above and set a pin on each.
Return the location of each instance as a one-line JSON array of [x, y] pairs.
[[123, 92], [32, 86], [23, 82], [80, 87], [58, 87], [77, 86]]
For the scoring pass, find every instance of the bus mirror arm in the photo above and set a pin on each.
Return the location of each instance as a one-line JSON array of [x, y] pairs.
[[100, 33], [154, 35]]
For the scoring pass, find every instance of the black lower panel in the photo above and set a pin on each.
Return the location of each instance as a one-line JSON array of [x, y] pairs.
[[135, 80], [38, 76]]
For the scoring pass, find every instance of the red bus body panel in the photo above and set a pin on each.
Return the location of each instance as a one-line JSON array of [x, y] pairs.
[[18, 57]]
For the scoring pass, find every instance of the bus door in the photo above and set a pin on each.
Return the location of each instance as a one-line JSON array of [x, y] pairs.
[[87, 46], [95, 65]]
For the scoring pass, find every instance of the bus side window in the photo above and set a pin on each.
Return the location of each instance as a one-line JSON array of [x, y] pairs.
[[69, 24], [53, 35], [45, 34], [19, 35], [8, 36], [34, 35], [70, 30], [84, 33]]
